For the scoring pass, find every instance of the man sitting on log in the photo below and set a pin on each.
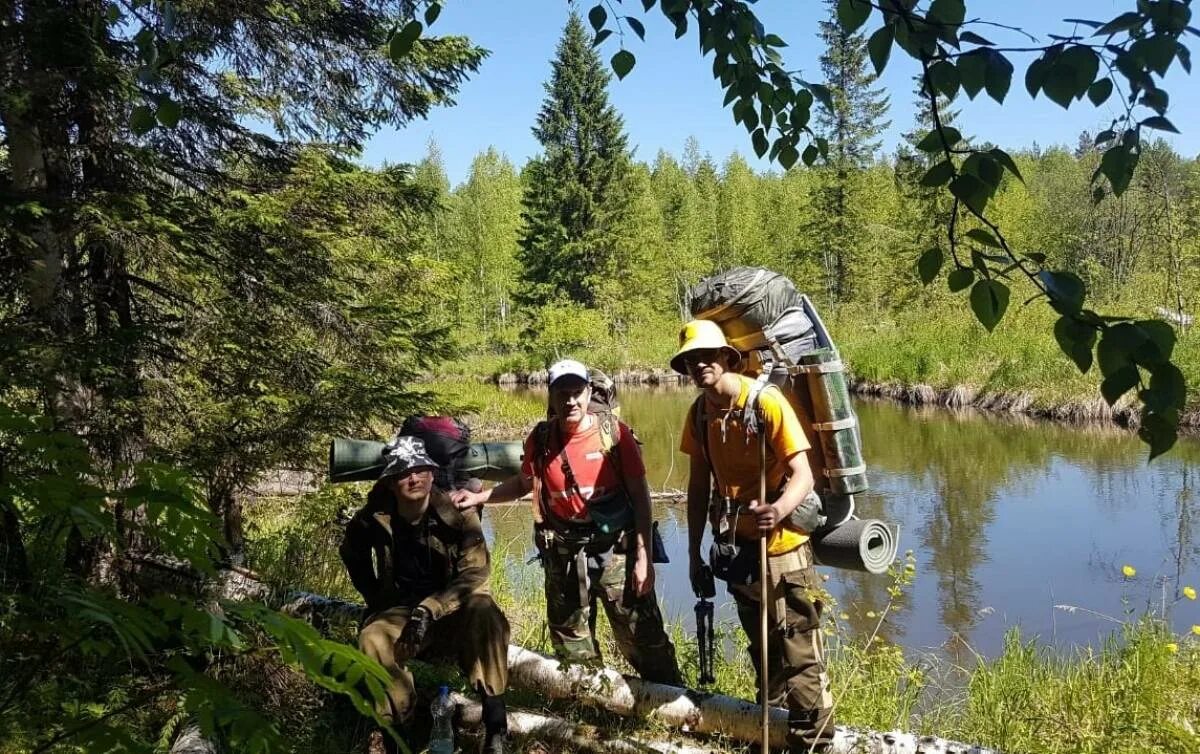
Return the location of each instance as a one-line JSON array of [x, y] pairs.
[[722, 439], [422, 566]]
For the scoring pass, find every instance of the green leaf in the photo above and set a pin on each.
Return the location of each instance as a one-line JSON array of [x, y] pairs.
[[1168, 382], [141, 120], [168, 113], [879, 47], [960, 279], [1118, 383], [1117, 165], [1159, 432], [972, 71], [973, 38], [1110, 356], [601, 35], [402, 41], [944, 77], [773, 40], [1160, 123], [1066, 290], [1123, 22], [1007, 161], [948, 12], [622, 63], [597, 16], [810, 155], [983, 167], [981, 236], [1100, 91], [821, 92], [637, 27], [1084, 63], [432, 12], [1035, 75], [999, 76], [852, 14], [1059, 85], [930, 264], [971, 191], [989, 300], [933, 141], [1158, 52], [759, 139], [788, 156], [1161, 336], [1076, 340], [938, 175]]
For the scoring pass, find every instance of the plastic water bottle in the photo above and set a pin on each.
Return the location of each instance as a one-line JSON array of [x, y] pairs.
[[441, 738]]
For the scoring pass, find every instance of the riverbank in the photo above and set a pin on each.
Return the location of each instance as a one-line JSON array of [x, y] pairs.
[[934, 355]]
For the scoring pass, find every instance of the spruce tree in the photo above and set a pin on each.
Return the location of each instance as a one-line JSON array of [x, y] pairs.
[[578, 199], [852, 128]]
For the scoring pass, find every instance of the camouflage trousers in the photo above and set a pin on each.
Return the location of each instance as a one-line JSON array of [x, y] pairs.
[[476, 635], [796, 675], [575, 580]]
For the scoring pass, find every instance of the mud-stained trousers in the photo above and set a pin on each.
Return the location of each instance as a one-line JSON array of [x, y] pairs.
[[477, 635], [637, 622], [796, 673]]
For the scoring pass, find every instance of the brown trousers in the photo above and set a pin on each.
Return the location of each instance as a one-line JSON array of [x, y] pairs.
[[796, 675], [476, 634]]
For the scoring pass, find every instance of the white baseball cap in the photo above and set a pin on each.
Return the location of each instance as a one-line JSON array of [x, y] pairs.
[[566, 368]]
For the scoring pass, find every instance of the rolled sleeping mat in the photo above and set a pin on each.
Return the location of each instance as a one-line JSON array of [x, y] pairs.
[[494, 461], [362, 460], [860, 544]]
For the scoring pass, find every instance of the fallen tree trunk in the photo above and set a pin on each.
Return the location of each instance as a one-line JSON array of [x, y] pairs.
[[688, 710], [563, 732]]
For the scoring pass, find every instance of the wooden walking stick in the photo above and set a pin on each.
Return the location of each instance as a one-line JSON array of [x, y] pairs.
[[763, 592]]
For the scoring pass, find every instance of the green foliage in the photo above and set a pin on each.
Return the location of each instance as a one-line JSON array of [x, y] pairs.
[[1131, 50]]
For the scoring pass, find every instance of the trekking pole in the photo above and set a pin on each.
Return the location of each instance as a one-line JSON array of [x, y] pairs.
[[763, 592], [705, 639]]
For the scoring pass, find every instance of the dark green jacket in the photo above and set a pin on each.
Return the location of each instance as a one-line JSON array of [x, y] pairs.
[[437, 562]]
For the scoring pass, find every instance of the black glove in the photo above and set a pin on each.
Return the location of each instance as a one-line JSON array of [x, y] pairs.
[[702, 582], [414, 632]]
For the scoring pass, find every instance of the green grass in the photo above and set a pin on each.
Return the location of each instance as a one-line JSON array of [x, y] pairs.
[[1139, 691]]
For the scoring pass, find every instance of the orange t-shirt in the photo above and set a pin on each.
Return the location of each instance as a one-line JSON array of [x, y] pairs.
[[733, 454], [595, 474]]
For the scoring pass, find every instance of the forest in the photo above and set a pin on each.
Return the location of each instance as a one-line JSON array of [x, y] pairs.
[[201, 283]]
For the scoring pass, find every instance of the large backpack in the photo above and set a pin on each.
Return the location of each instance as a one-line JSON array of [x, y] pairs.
[[447, 441], [785, 343]]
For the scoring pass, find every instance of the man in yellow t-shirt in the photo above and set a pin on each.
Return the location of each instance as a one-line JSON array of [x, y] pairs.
[[722, 440]]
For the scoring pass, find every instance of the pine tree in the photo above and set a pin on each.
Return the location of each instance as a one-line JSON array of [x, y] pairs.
[[852, 128], [578, 199]]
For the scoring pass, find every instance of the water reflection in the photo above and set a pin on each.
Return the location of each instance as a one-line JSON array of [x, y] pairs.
[[1007, 518]]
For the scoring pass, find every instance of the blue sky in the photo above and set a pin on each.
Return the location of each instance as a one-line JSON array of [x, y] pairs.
[[671, 95]]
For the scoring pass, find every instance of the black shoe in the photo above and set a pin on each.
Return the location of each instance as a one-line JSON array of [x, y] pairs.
[[493, 743]]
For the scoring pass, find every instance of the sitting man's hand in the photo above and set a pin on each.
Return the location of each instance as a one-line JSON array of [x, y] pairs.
[[465, 499], [413, 635]]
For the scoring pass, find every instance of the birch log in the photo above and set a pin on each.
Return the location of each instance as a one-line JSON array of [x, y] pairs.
[[564, 732], [696, 712]]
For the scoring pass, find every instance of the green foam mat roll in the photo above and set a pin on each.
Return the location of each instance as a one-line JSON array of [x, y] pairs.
[[860, 544]]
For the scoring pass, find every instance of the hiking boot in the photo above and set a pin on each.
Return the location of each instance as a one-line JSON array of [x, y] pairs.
[[493, 743]]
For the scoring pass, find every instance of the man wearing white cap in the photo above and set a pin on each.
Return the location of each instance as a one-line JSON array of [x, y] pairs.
[[422, 566], [591, 510]]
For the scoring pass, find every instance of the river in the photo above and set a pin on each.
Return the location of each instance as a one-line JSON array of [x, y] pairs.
[[1012, 522]]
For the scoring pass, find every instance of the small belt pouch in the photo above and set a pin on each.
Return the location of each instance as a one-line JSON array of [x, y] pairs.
[[611, 514]]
